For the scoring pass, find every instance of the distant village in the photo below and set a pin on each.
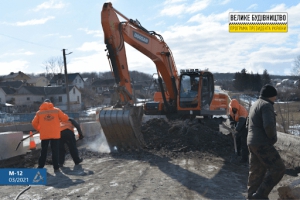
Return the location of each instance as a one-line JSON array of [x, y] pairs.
[[22, 93]]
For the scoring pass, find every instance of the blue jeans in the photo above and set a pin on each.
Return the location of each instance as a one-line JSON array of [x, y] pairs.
[[54, 143], [68, 137]]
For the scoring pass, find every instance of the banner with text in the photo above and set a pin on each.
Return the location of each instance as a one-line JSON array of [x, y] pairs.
[[265, 22]]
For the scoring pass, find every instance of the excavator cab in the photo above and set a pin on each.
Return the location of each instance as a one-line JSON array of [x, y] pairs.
[[189, 89], [196, 92], [195, 96]]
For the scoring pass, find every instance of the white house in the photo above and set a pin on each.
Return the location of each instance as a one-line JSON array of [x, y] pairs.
[[29, 95]]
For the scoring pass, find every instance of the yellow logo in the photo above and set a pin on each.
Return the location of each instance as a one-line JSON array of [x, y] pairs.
[[48, 117], [265, 22]]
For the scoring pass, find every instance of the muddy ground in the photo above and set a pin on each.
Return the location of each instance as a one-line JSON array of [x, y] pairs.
[[182, 160]]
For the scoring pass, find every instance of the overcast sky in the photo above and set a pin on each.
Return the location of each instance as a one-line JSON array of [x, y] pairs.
[[32, 32]]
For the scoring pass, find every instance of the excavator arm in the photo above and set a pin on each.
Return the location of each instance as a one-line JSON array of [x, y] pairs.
[[147, 42]]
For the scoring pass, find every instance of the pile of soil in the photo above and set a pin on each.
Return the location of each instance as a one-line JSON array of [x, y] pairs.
[[187, 136], [165, 138]]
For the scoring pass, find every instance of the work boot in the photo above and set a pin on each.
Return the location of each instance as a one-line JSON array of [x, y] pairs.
[[57, 170], [258, 196], [80, 161]]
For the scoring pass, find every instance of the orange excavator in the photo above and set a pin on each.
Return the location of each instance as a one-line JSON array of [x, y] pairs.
[[188, 94]]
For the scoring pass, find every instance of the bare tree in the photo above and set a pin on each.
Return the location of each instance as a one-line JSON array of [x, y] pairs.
[[286, 109], [54, 66], [296, 69]]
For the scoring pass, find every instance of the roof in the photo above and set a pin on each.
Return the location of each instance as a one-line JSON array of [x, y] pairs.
[[13, 84], [13, 75], [104, 82], [47, 90], [8, 90], [71, 77], [35, 79]]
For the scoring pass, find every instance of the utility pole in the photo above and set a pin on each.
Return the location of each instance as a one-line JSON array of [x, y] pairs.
[[66, 79]]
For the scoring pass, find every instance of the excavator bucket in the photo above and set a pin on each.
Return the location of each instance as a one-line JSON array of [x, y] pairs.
[[122, 127]]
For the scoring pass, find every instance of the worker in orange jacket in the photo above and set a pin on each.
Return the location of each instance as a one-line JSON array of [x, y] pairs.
[[47, 123], [68, 137], [238, 115]]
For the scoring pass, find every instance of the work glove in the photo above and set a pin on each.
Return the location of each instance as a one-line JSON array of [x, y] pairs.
[[81, 137]]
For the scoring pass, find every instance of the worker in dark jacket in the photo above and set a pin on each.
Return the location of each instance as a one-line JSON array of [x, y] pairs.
[[47, 123], [68, 137], [237, 116], [266, 166]]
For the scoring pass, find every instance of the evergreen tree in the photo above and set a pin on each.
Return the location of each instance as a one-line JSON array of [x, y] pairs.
[[257, 82], [251, 80], [244, 80], [265, 78], [238, 82]]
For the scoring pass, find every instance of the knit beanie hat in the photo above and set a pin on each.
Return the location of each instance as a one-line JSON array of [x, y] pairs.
[[268, 91]]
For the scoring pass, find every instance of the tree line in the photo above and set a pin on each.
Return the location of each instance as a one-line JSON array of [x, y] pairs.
[[244, 81]]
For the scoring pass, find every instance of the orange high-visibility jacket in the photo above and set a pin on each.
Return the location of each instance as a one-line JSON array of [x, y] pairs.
[[66, 125], [241, 110], [47, 121]]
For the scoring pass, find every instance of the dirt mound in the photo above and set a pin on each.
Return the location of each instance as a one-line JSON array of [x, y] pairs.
[[186, 136]]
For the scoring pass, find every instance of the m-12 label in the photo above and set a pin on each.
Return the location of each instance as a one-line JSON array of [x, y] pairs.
[[23, 176]]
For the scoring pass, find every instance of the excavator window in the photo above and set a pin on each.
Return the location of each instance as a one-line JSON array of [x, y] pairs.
[[189, 86], [207, 91], [195, 84]]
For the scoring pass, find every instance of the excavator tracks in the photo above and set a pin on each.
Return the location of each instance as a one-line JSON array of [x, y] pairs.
[[122, 127]]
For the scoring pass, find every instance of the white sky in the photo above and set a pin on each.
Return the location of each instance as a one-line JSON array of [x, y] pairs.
[[32, 32]]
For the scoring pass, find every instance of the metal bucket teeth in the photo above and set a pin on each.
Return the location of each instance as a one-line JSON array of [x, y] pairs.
[[122, 127]]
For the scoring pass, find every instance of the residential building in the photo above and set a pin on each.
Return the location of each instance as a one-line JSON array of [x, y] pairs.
[[2, 96], [8, 91], [4, 106], [73, 79], [39, 81], [20, 76], [103, 85], [88, 81], [30, 96]]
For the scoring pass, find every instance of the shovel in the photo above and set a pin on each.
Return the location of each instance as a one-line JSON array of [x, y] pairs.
[[234, 158], [25, 139]]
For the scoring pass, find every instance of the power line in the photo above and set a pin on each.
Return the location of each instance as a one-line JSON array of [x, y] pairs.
[[29, 42]]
